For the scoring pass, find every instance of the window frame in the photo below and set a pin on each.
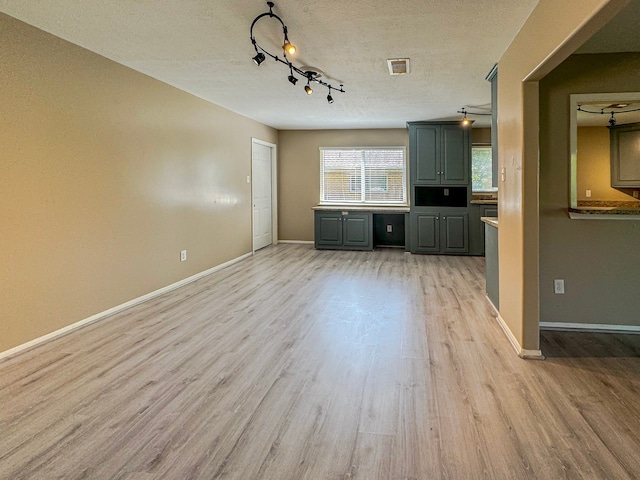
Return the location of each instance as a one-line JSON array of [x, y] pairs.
[[494, 188], [362, 177]]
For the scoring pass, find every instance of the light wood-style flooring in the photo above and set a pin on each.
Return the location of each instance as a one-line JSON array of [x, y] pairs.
[[303, 364]]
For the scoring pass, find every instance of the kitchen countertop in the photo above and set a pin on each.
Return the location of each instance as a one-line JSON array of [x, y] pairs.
[[493, 221], [484, 199], [607, 210], [364, 208]]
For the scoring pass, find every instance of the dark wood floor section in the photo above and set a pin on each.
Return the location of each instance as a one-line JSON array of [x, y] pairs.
[[304, 364]]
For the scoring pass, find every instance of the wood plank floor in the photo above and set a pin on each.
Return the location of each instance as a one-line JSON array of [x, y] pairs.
[[304, 364]]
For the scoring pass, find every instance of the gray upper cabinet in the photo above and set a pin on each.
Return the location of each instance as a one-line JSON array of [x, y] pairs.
[[625, 156], [439, 153]]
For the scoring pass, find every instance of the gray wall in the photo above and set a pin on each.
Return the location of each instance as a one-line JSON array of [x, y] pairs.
[[599, 259]]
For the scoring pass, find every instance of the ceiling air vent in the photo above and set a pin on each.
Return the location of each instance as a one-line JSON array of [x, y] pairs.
[[398, 66]]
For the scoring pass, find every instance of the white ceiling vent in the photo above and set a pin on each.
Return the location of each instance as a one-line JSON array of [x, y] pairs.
[[398, 66]]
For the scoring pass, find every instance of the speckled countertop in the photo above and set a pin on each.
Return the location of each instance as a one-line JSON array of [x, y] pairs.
[[484, 199], [603, 207], [363, 208], [493, 221]]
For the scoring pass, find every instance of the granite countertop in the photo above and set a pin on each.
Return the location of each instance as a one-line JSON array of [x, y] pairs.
[[493, 221], [364, 208], [603, 207], [484, 199]]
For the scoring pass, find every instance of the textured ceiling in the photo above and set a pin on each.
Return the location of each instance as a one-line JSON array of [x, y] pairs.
[[203, 47]]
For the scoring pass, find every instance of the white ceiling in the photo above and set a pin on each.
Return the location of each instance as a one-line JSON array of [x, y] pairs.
[[203, 47]]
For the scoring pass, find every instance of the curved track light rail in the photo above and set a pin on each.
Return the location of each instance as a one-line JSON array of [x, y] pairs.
[[288, 47]]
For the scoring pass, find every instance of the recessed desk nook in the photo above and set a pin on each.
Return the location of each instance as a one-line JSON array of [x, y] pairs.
[[350, 227]]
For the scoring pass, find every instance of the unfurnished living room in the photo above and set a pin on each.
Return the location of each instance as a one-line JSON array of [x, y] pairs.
[[296, 240]]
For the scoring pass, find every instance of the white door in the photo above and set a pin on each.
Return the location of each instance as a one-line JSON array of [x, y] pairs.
[[262, 195]]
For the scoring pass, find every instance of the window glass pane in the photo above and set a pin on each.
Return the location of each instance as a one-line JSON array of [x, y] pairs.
[[481, 175], [363, 175]]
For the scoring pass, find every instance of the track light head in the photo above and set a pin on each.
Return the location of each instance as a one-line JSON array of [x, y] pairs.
[[259, 58], [329, 98], [308, 89], [292, 79], [612, 120], [289, 48]]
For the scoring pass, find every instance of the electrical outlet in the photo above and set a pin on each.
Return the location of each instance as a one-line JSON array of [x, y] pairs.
[[588, 193], [183, 255], [558, 286], [389, 228]]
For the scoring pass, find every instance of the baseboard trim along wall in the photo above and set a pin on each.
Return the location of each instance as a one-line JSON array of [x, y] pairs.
[[119, 308], [522, 352], [590, 327]]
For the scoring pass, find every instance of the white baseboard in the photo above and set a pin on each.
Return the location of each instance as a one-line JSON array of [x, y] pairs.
[[590, 327], [118, 308], [522, 352], [297, 242]]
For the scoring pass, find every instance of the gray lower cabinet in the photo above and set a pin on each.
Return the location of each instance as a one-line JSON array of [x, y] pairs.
[[343, 230], [492, 265], [476, 227], [440, 232]]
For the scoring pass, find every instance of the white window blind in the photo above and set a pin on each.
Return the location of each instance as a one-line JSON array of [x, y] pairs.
[[363, 175]]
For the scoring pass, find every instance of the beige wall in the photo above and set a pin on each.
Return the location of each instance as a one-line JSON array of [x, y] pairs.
[[598, 259], [481, 136], [299, 171], [105, 175], [594, 165], [552, 32]]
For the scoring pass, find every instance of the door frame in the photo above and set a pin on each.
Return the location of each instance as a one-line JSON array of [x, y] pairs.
[[274, 189]]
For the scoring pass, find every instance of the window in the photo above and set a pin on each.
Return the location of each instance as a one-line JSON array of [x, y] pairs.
[[481, 169], [363, 175]]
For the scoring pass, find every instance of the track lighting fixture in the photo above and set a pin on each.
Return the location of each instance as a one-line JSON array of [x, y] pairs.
[[612, 119], [465, 122], [288, 49]]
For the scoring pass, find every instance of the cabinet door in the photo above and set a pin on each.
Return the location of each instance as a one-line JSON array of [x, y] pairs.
[[328, 229], [425, 153], [425, 233], [455, 155], [357, 230], [625, 161], [455, 233]]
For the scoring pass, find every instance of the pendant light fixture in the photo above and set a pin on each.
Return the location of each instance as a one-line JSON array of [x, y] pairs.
[[288, 48], [465, 122]]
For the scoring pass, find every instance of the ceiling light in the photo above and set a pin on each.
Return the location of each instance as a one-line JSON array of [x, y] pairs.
[[259, 58], [466, 121], [329, 97], [288, 48]]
